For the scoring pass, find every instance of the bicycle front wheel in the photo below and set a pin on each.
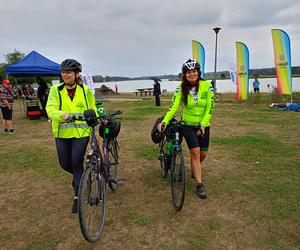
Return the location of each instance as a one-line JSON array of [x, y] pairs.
[[113, 155], [92, 204], [177, 180]]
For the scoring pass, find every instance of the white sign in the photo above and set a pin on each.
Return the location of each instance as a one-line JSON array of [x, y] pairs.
[[232, 73], [88, 79]]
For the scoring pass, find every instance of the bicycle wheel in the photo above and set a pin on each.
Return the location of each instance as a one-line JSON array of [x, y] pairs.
[[113, 159], [163, 159], [91, 204], [218, 97], [177, 180]]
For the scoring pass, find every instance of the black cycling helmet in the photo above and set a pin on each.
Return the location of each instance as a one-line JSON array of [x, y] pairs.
[[189, 65], [71, 65]]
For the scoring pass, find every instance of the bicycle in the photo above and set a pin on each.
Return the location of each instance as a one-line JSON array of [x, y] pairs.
[[100, 169], [170, 156]]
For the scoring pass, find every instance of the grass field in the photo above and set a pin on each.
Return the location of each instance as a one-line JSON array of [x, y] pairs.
[[252, 177]]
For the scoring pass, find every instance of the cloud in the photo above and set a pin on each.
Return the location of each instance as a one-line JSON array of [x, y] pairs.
[[134, 38]]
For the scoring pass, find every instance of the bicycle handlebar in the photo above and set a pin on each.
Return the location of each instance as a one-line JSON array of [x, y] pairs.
[[173, 124], [81, 117]]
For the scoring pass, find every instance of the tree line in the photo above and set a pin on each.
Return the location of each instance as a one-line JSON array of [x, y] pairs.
[[17, 55]]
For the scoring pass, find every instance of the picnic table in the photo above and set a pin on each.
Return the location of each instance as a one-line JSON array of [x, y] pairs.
[[144, 90]]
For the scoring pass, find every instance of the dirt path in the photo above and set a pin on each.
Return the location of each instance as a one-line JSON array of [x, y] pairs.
[[243, 211]]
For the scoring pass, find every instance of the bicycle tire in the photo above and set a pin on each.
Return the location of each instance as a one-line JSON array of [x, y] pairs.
[[177, 180], [92, 204], [113, 159], [163, 159]]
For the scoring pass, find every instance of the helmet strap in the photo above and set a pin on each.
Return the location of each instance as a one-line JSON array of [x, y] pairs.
[[71, 86]]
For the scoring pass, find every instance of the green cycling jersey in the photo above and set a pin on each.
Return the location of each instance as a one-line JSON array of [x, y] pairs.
[[199, 108]]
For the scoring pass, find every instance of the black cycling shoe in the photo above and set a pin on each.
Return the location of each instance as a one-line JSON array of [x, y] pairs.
[[75, 206], [200, 191]]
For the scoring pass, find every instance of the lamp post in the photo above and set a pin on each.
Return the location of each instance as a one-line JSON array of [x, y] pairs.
[[216, 30]]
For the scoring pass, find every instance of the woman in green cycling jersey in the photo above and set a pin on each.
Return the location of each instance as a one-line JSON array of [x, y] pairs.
[[66, 99], [197, 97]]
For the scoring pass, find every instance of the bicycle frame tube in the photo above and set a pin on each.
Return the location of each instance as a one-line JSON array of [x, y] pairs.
[[94, 142], [105, 160]]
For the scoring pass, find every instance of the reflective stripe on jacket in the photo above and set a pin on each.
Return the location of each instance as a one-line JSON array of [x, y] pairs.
[[56, 106], [193, 113]]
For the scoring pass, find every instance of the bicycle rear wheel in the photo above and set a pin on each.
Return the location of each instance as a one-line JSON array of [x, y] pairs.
[[163, 158], [177, 180], [113, 155], [92, 204]]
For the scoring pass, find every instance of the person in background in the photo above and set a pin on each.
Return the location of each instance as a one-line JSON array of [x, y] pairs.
[[213, 84], [42, 94], [30, 90], [20, 94], [116, 88], [256, 84], [70, 97], [197, 97], [6, 103], [156, 92], [24, 90]]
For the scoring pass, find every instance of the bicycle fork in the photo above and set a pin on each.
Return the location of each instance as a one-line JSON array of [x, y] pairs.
[[176, 148]]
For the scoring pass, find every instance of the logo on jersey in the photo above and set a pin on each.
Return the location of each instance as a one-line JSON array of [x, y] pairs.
[[80, 105], [204, 95]]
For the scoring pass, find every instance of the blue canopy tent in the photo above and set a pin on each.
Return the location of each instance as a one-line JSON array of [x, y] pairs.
[[34, 64]]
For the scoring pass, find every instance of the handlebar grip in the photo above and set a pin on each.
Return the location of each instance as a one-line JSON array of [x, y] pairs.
[[118, 112]]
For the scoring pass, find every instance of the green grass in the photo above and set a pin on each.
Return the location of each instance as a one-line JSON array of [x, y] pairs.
[[252, 177], [148, 152], [143, 221], [200, 235]]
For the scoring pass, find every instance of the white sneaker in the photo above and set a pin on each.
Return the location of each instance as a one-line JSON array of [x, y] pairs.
[[11, 132]]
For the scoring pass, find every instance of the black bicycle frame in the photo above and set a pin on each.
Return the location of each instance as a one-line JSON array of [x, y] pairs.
[[173, 134]]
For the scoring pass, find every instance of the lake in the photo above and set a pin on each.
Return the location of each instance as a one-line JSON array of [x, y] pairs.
[[223, 86]]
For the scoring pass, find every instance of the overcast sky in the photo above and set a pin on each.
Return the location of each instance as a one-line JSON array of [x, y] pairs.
[[146, 37]]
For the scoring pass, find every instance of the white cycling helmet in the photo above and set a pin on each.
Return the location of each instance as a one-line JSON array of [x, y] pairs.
[[189, 65]]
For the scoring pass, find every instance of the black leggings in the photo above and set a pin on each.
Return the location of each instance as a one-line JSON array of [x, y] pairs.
[[70, 153]]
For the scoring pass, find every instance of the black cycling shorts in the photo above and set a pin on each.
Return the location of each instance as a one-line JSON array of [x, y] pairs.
[[7, 113], [195, 141]]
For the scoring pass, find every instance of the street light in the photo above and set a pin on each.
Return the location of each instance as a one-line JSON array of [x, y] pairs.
[[216, 30]]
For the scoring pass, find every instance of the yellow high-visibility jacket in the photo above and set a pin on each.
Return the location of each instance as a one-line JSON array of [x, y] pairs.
[[59, 102]]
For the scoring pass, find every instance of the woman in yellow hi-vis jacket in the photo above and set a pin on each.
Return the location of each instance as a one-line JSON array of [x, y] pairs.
[[66, 99]]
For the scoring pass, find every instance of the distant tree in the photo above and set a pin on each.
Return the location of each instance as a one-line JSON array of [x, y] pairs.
[[14, 57], [108, 79], [180, 76], [98, 78]]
